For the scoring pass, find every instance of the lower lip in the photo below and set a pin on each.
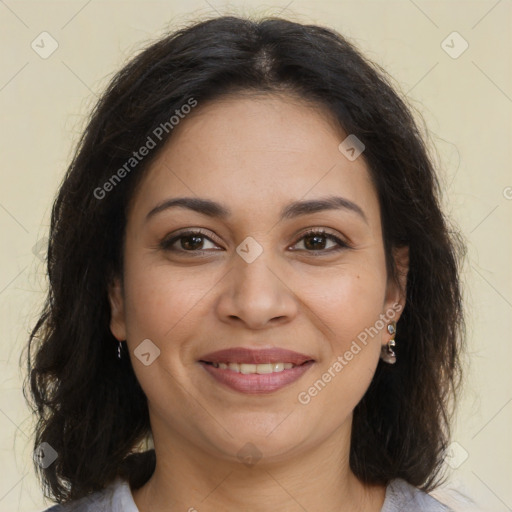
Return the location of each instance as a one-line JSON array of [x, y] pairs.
[[255, 383]]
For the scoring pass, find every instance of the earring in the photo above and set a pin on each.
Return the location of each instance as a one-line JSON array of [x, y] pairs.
[[387, 353], [119, 350]]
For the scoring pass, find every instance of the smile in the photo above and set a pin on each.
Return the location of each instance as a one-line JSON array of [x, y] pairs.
[[255, 379], [260, 369]]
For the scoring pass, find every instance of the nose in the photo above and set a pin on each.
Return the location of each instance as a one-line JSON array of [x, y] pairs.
[[256, 294]]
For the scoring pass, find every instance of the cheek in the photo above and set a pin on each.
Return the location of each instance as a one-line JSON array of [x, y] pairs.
[[351, 307], [161, 306], [349, 299], [156, 299]]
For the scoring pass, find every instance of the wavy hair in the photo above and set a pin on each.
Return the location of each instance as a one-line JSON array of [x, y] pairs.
[[89, 405]]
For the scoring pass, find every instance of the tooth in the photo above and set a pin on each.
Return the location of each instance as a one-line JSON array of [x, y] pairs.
[[264, 368], [247, 368], [234, 367]]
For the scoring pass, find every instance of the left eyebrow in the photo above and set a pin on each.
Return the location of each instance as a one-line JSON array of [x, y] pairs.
[[295, 209], [298, 208]]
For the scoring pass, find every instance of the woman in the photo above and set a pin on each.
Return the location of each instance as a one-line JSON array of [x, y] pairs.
[[249, 268]]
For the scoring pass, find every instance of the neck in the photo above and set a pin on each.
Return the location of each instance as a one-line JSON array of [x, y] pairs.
[[187, 478]]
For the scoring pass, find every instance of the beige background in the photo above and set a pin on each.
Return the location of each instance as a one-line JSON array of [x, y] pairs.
[[467, 105]]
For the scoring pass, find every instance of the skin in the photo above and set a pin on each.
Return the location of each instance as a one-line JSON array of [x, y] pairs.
[[254, 155]]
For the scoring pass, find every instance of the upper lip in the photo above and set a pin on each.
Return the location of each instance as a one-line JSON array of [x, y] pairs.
[[255, 356]]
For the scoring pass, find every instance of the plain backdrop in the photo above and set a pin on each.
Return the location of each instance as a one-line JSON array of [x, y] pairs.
[[464, 95]]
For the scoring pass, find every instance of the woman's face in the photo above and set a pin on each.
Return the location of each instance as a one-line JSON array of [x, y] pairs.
[[254, 278]]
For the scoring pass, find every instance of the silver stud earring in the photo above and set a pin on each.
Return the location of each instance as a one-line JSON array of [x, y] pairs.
[[387, 353]]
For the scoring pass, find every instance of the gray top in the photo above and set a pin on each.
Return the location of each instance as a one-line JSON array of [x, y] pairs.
[[117, 497]]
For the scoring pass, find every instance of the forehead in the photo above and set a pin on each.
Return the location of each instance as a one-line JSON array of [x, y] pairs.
[[254, 153]]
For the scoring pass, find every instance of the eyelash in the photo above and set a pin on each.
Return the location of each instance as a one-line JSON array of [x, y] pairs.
[[167, 244]]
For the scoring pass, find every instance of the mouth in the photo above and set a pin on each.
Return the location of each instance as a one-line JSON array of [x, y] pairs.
[[260, 369], [255, 371]]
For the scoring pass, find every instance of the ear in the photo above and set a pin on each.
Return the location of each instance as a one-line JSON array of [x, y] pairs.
[[396, 291], [117, 313]]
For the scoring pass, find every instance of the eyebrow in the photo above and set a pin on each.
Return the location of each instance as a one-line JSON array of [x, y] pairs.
[[295, 209]]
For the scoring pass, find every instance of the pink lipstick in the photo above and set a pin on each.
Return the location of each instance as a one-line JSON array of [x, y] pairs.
[[256, 371]]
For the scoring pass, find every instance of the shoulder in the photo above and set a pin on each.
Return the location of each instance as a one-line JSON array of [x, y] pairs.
[[404, 497], [116, 497]]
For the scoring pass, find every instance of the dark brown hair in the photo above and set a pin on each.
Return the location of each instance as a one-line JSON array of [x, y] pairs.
[[89, 405]]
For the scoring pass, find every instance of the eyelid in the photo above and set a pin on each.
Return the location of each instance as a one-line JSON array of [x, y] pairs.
[[342, 242], [167, 241], [323, 231]]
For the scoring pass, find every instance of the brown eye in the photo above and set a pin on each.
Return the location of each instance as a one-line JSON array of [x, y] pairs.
[[189, 241], [316, 241]]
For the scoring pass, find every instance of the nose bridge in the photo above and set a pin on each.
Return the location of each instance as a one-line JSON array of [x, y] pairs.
[[252, 272], [255, 293]]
